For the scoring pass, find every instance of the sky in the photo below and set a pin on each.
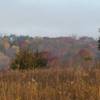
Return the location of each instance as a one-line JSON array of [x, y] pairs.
[[50, 17]]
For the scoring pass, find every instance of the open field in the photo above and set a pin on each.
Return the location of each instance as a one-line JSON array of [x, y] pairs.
[[50, 84]]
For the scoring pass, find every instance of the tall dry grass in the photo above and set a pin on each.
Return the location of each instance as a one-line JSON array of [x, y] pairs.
[[50, 84]]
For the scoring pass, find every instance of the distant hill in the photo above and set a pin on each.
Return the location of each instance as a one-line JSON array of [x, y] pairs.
[[62, 49]]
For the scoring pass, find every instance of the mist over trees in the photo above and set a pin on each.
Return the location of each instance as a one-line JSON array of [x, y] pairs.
[[60, 51]]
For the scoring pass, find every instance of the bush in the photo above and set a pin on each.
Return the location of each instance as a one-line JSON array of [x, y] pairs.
[[26, 59]]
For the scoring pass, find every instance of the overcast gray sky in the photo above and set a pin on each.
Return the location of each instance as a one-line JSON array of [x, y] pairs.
[[50, 17]]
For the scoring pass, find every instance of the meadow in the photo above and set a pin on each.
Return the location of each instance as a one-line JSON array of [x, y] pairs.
[[51, 84]]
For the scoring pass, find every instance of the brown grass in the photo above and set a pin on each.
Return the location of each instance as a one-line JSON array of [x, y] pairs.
[[50, 84]]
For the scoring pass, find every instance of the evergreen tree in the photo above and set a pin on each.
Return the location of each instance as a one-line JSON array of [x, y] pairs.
[[26, 59], [99, 44]]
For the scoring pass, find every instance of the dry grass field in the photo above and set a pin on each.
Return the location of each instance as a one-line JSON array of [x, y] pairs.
[[50, 84]]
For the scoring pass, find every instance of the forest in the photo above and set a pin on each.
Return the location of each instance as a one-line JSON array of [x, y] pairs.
[[61, 51]]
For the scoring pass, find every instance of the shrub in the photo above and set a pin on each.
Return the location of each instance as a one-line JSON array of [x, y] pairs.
[[26, 59]]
